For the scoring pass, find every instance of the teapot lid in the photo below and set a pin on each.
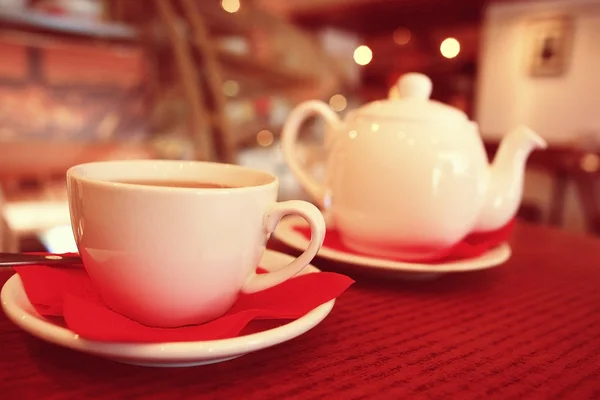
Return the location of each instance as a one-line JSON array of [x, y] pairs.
[[409, 100]]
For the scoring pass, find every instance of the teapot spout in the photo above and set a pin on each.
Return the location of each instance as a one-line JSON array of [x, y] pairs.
[[506, 178]]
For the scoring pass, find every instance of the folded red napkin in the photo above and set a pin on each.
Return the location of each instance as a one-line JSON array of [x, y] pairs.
[[69, 293], [471, 246]]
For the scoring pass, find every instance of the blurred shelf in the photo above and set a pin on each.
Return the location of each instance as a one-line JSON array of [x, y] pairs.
[[67, 25], [34, 158], [251, 68], [244, 66]]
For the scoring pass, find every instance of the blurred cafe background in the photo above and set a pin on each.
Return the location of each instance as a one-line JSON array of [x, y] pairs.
[[86, 80]]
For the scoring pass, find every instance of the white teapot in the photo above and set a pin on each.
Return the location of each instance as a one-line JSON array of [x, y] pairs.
[[408, 176]]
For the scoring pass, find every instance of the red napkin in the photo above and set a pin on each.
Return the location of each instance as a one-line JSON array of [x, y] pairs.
[[70, 294], [471, 246]]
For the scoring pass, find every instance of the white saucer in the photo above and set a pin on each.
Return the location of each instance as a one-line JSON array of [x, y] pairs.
[[286, 234], [182, 354]]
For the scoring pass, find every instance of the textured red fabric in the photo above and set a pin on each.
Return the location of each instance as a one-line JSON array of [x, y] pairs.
[[526, 330], [70, 294], [471, 246]]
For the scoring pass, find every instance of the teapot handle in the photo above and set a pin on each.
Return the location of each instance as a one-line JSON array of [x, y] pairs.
[[289, 138]]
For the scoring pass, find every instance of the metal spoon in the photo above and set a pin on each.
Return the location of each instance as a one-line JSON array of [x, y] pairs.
[[20, 259]]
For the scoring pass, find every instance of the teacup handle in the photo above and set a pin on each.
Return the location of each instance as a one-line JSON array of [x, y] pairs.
[[289, 136], [257, 282]]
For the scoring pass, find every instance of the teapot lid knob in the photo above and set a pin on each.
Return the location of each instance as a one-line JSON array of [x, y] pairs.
[[409, 99], [413, 85]]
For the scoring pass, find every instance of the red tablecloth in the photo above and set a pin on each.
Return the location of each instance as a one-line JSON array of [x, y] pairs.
[[529, 329]]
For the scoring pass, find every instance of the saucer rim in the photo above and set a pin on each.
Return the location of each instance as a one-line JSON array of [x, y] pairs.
[[491, 258], [162, 352]]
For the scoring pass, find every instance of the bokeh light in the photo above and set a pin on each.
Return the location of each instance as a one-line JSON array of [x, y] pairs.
[[363, 55], [450, 47], [230, 6], [338, 102], [264, 138], [402, 35]]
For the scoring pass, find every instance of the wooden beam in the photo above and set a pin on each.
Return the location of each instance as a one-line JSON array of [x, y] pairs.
[[199, 118], [222, 134]]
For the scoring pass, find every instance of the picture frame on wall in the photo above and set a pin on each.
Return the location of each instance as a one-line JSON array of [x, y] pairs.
[[550, 46]]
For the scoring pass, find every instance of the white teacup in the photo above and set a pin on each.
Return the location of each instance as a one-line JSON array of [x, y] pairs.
[[166, 255]]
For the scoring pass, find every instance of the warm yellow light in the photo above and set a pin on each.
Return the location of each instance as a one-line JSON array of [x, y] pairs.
[[450, 47], [338, 102], [230, 6], [402, 35], [230, 88], [264, 138], [363, 55]]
